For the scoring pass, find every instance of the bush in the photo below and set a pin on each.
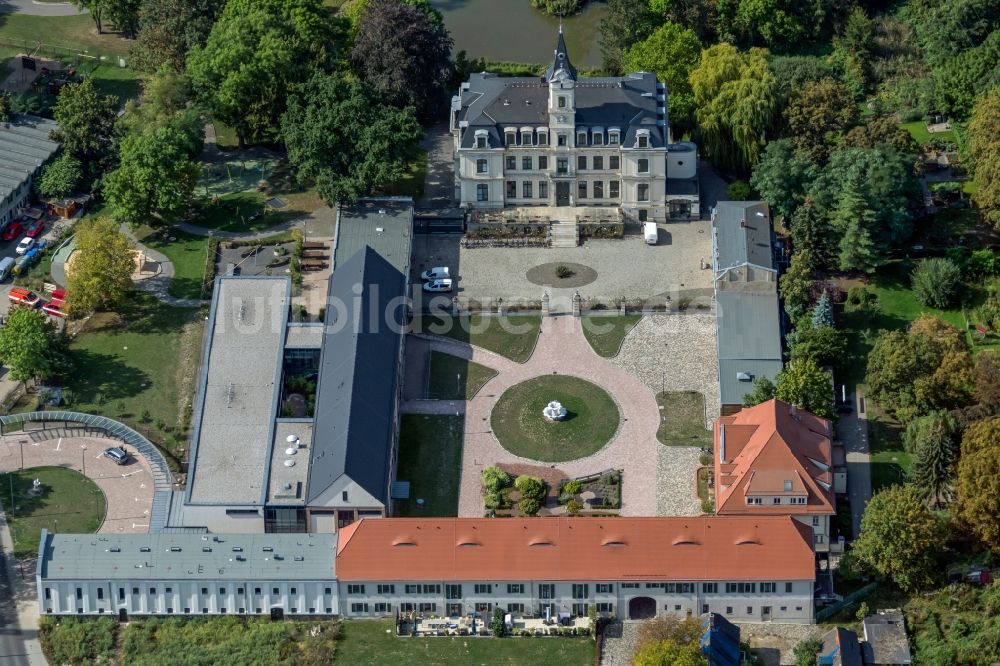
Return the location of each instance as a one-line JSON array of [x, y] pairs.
[[707, 506], [982, 264], [497, 625], [572, 487], [530, 487], [574, 507], [495, 479], [78, 641], [936, 282], [563, 271], [805, 652], [529, 506], [740, 190]]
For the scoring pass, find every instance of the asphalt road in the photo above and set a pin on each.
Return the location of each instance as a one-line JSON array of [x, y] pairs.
[[12, 649], [852, 430]]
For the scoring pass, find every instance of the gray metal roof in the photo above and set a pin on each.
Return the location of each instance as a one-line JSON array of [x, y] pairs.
[[749, 340], [384, 224], [287, 483], [741, 234], [356, 398], [239, 390], [304, 336], [185, 556], [885, 639], [24, 147], [840, 648], [630, 102]]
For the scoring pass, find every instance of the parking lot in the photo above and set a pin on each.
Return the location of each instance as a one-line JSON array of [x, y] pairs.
[[53, 228], [625, 268]]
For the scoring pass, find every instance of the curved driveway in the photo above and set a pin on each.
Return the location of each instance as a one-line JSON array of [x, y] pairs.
[[128, 489], [561, 349], [39, 8]]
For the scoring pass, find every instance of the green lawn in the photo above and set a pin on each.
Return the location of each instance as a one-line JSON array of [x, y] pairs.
[[519, 426], [682, 419], [143, 359], [918, 130], [606, 333], [372, 643], [123, 83], [512, 336], [453, 378], [188, 254], [70, 503], [430, 458], [233, 213], [70, 32], [890, 463]]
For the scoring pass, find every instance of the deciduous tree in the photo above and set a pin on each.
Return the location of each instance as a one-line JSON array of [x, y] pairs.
[[735, 101], [823, 344], [257, 50], [796, 286], [60, 177], [978, 485], [763, 390], [86, 120], [668, 653], [804, 384], [100, 277], [672, 52], [403, 55], [900, 538], [30, 346], [168, 29], [984, 149], [881, 130], [157, 172], [625, 23], [339, 134], [818, 114]]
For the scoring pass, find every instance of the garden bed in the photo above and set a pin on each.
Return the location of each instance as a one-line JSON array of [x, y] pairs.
[[601, 491]]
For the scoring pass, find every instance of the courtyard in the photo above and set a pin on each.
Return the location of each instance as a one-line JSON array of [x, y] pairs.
[[602, 271]]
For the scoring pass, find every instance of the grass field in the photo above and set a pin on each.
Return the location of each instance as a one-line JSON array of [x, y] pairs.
[[141, 360], [512, 336], [372, 643], [606, 333], [187, 253], [121, 82], [453, 378], [682, 419], [519, 426], [430, 458], [890, 463], [918, 130], [71, 32], [70, 503]]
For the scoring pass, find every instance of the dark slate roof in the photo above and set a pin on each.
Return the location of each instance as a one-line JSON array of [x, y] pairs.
[[840, 648], [356, 395], [742, 234], [749, 339], [721, 641], [885, 640], [561, 60], [491, 103]]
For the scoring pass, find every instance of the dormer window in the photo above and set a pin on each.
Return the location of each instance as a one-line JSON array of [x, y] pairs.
[[788, 486], [482, 139], [543, 138], [581, 138], [561, 103], [598, 138], [511, 138], [614, 137], [526, 138], [642, 141]]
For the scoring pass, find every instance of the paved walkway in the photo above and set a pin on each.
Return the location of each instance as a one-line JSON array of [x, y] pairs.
[[561, 346], [852, 430], [195, 230], [32, 8], [127, 488], [439, 183], [19, 644], [159, 284]]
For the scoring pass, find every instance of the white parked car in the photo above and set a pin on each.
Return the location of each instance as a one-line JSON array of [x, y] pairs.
[[26, 243], [436, 273], [438, 285], [651, 233]]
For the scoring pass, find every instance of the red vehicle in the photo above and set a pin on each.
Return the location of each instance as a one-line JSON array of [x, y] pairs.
[[58, 296], [21, 296], [54, 309], [35, 229], [13, 230]]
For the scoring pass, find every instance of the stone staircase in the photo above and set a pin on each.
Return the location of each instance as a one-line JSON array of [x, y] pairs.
[[564, 234]]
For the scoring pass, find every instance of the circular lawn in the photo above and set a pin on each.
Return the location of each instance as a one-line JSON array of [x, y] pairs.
[[69, 502], [591, 422]]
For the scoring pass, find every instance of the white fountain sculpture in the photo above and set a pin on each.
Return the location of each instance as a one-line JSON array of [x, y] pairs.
[[554, 411]]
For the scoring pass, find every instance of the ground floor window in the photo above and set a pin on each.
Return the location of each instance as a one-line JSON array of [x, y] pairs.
[[580, 610], [614, 189], [359, 608], [511, 189], [605, 607], [543, 189]]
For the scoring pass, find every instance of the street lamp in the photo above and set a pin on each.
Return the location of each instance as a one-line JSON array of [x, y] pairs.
[[83, 458]]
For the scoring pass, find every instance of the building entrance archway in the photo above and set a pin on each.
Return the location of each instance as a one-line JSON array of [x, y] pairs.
[[641, 608]]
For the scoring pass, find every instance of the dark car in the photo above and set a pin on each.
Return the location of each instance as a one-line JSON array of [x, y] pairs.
[[117, 454], [12, 231]]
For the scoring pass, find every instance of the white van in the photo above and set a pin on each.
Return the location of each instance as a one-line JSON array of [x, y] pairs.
[[6, 265], [651, 233]]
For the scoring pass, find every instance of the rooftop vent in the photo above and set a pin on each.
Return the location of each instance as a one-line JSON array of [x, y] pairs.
[[206, 549], [237, 549], [268, 549], [404, 541], [144, 549], [291, 451], [115, 549], [293, 440], [299, 558], [289, 462], [744, 377], [175, 549]]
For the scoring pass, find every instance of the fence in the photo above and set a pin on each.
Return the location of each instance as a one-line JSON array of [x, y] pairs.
[[845, 602]]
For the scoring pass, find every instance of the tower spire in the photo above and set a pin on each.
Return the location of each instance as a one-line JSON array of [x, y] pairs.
[[561, 61]]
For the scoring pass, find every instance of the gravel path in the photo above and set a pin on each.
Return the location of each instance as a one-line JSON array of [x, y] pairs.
[[620, 641], [676, 487]]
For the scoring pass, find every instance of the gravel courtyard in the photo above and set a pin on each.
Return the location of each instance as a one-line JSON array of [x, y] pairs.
[[675, 352], [625, 268]]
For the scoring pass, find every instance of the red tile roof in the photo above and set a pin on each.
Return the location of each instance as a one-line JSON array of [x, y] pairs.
[[576, 549], [761, 449]]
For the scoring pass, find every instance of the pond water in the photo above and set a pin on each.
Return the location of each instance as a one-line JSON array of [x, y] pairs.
[[512, 30]]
